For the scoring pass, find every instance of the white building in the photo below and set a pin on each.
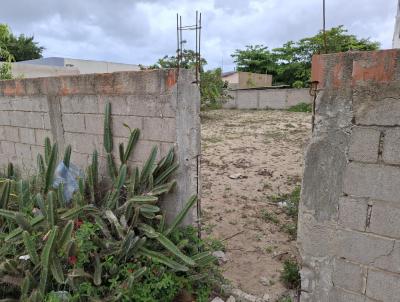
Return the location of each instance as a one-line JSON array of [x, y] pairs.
[[55, 66], [396, 36]]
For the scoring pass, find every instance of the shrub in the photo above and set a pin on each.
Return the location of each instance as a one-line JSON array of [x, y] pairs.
[[213, 90], [290, 275], [301, 107], [108, 245], [298, 84]]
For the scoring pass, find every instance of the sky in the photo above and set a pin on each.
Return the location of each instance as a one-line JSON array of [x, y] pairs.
[[142, 31]]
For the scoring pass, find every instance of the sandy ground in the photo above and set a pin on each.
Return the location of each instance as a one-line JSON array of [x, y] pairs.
[[248, 157]]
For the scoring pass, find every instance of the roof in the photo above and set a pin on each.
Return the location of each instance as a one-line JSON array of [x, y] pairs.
[[228, 73]]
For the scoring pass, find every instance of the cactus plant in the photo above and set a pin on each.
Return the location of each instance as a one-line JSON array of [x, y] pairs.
[[129, 226]]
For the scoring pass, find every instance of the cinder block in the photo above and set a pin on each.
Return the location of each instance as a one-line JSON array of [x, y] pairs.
[[316, 240], [35, 150], [383, 286], [23, 150], [385, 220], [341, 295], [40, 135], [94, 124], [83, 143], [8, 148], [362, 247], [391, 261], [353, 213], [73, 123], [80, 160], [5, 103], [273, 99], [118, 104], [133, 122], [10, 134], [79, 104], [151, 105], [26, 119], [247, 100], [30, 104], [4, 118], [383, 107], [46, 121], [374, 181], [143, 149], [27, 136], [348, 275], [364, 144], [391, 147], [159, 129]]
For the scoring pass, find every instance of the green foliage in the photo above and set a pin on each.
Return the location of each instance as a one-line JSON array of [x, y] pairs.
[[291, 275], [5, 70], [268, 216], [19, 48], [188, 61], [213, 89], [107, 245], [301, 107], [291, 63], [285, 299]]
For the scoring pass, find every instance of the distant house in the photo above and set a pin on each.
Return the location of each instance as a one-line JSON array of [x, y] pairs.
[[245, 80], [55, 66]]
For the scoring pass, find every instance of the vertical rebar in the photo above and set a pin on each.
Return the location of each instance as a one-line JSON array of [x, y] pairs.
[[323, 25], [199, 42], [180, 37], [196, 53], [177, 39]]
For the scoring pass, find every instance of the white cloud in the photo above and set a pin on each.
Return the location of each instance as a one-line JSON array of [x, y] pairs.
[[141, 31]]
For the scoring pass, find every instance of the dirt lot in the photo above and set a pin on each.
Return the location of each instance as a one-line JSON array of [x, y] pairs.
[[249, 158]]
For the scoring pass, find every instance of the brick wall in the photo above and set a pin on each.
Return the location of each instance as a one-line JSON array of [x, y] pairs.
[[69, 109], [349, 224]]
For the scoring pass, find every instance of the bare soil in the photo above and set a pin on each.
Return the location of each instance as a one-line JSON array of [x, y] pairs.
[[249, 158]]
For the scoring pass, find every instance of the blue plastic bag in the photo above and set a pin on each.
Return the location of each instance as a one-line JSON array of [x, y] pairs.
[[68, 177]]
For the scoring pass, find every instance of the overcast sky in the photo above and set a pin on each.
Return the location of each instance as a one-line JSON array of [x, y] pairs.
[[141, 31]]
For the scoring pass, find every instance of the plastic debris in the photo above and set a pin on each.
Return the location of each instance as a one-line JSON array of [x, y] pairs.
[[68, 177]]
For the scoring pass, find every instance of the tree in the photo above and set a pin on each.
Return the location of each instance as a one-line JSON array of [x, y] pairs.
[[5, 56], [291, 63], [20, 48], [188, 60], [213, 90], [255, 58]]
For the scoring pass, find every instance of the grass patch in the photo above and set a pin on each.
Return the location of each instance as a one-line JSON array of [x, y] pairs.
[[285, 299], [291, 209], [301, 107], [268, 216], [291, 275]]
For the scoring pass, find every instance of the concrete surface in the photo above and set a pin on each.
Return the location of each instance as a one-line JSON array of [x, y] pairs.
[[349, 229], [165, 106]]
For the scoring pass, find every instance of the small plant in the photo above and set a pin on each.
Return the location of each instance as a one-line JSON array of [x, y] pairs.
[[301, 107], [298, 84], [291, 275], [268, 216], [285, 299]]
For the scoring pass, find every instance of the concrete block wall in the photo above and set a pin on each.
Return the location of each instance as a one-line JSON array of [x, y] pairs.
[[69, 109], [349, 223], [267, 98]]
